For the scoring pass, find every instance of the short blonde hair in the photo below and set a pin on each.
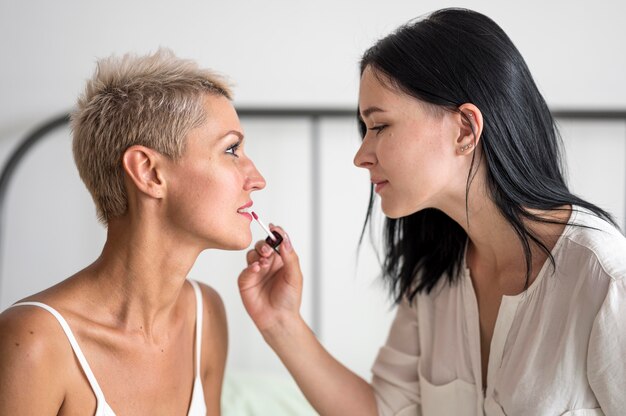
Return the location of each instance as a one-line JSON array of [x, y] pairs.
[[151, 100]]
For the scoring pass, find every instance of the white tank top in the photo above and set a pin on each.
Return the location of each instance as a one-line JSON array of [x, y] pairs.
[[197, 406]]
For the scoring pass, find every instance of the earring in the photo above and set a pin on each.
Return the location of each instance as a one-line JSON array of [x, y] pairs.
[[467, 146]]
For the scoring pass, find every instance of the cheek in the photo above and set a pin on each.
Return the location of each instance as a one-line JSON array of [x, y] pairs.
[[205, 187], [418, 164], [221, 188], [402, 158], [392, 152]]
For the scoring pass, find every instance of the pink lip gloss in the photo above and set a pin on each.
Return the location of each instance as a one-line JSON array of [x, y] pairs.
[[274, 238]]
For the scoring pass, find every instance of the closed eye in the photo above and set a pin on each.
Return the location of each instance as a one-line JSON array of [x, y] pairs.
[[378, 129]]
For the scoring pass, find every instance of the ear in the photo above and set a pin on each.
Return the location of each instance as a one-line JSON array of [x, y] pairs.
[[142, 166], [471, 127]]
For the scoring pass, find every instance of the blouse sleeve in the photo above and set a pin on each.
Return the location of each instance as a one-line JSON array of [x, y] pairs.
[[606, 360], [395, 379]]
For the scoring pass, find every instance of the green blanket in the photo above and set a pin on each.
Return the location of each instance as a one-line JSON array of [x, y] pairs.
[[252, 394]]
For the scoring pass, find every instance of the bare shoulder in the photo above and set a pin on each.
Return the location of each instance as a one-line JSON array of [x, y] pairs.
[[214, 327], [214, 313], [215, 331], [32, 330], [214, 347], [33, 358], [212, 299]]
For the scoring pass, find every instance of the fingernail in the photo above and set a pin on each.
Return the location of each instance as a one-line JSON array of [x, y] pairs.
[[265, 249], [286, 243]]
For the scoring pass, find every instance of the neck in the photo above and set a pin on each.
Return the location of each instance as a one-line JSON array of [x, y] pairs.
[[494, 248], [136, 279]]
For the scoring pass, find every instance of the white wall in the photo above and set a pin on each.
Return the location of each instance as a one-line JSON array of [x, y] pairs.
[[595, 156], [278, 53], [288, 52]]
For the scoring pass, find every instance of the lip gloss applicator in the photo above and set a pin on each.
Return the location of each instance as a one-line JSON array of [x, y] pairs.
[[274, 238]]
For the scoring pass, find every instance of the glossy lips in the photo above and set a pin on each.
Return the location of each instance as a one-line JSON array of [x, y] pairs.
[[243, 210]]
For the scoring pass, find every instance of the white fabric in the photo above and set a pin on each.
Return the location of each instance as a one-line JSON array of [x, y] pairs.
[[559, 348], [197, 405]]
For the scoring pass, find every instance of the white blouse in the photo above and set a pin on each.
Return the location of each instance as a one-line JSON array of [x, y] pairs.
[[558, 348]]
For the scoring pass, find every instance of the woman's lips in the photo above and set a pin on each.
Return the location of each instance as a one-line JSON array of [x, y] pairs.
[[243, 210], [245, 214], [378, 185]]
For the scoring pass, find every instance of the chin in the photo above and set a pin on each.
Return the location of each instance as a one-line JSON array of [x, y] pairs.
[[230, 246], [403, 209], [393, 212], [393, 215], [237, 244], [232, 242]]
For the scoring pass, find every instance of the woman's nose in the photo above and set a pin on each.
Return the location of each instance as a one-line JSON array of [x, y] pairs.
[[365, 157], [255, 181]]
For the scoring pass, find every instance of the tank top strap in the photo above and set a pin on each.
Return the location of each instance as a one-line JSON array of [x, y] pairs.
[[199, 313], [77, 351]]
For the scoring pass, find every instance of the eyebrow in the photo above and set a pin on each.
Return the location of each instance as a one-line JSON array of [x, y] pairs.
[[368, 111], [235, 132]]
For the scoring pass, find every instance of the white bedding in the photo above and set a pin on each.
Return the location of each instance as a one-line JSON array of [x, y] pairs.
[[256, 394]]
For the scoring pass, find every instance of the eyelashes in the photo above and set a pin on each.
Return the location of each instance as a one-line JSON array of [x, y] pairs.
[[232, 149], [378, 129]]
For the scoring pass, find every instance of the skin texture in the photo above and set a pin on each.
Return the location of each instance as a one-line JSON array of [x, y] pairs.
[[418, 157], [132, 311]]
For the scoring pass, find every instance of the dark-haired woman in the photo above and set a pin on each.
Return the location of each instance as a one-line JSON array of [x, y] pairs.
[[511, 290]]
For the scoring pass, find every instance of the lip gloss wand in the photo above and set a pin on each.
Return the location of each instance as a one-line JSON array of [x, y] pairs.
[[274, 238]]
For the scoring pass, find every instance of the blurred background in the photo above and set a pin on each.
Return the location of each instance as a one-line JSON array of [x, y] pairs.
[[280, 55]]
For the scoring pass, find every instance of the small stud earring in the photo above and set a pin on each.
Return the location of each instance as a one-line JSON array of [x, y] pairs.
[[467, 146]]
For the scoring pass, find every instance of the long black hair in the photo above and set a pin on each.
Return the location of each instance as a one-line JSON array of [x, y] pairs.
[[452, 57]]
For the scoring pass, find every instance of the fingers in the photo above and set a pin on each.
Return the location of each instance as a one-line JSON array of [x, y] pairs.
[[262, 259], [289, 259], [263, 249], [255, 273], [261, 262], [252, 256], [250, 276]]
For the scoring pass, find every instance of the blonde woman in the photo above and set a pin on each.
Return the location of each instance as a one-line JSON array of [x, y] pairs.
[[159, 146]]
